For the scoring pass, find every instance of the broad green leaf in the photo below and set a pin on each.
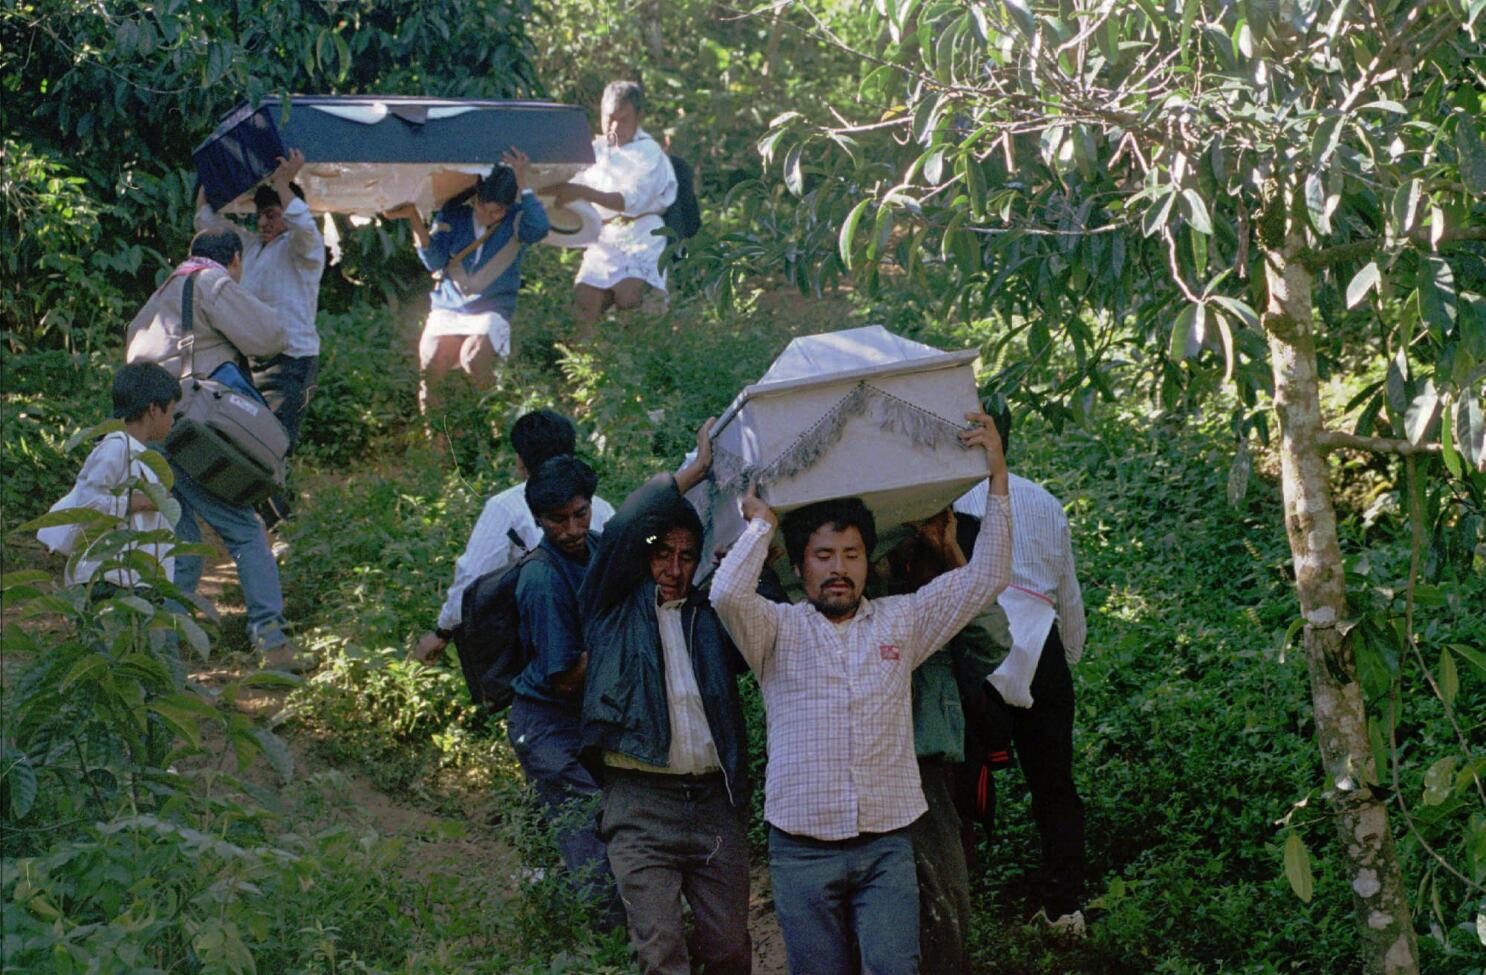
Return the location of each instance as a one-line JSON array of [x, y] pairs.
[[1365, 280], [276, 752], [1021, 14], [1238, 309], [1448, 453], [157, 463], [1449, 678], [1298, 868], [1405, 210], [1421, 412], [1196, 210], [1439, 781], [182, 721], [68, 516], [1470, 430], [1471, 148], [848, 231], [85, 667], [92, 433], [1158, 213], [23, 577], [794, 175], [1471, 655], [1315, 203], [1437, 294], [20, 782], [1230, 358]]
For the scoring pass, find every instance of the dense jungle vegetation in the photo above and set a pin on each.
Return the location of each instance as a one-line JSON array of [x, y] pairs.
[[858, 163]]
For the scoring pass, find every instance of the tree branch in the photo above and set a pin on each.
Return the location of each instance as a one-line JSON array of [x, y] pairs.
[[1335, 439], [1319, 260]]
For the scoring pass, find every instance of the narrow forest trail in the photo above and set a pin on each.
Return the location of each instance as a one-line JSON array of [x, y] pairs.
[[430, 848]]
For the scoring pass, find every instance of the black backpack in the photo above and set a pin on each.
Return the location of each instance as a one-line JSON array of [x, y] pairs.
[[489, 635], [684, 216]]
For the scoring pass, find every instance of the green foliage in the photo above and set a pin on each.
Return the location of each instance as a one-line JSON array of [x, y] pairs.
[[124, 94], [51, 234]]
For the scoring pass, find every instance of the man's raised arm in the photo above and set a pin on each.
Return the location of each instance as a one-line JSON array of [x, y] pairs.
[[752, 620], [943, 607]]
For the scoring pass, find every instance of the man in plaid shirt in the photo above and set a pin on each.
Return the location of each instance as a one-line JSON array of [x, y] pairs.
[[842, 782]]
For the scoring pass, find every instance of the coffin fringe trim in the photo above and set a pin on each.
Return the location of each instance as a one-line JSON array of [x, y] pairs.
[[894, 415]]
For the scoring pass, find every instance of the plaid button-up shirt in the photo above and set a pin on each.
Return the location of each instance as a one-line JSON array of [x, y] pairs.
[[837, 697]]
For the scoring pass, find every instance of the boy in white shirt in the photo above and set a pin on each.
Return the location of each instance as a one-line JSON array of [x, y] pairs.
[[144, 397]]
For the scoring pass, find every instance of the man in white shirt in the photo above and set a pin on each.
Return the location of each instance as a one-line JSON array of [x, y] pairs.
[[506, 529], [1044, 608], [842, 782], [282, 266], [631, 182]]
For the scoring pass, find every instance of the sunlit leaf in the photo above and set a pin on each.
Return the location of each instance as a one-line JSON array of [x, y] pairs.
[[1298, 867]]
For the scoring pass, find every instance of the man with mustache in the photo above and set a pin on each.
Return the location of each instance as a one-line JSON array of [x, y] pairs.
[[842, 784]]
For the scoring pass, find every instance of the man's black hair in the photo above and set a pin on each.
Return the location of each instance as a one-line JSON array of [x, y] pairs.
[[557, 482], [216, 245], [679, 515], [540, 435], [499, 186], [266, 196], [839, 513], [139, 386]]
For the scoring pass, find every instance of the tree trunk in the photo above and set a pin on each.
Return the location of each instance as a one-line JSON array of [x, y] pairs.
[[1370, 861], [650, 31]]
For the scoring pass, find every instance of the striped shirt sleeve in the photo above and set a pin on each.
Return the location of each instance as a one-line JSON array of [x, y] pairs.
[[751, 620]]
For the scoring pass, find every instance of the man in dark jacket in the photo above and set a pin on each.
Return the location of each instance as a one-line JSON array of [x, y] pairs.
[[662, 716], [544, 719]]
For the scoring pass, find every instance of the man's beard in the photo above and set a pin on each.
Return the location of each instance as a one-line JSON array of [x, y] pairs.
[[837, 605]]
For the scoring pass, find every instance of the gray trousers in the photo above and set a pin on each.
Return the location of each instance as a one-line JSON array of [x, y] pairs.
[[671, 836]]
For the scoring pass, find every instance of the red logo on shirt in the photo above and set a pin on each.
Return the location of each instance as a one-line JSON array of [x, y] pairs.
[[889, 651]]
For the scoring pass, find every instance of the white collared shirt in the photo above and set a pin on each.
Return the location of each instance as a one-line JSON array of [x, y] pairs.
[[490, 546], [104, 484], [837, 697], [284, 273], [1041, 555], [693, 752]]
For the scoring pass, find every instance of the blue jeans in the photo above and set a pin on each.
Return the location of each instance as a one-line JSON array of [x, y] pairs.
[[829, 894], [243, 534], [546, 739]]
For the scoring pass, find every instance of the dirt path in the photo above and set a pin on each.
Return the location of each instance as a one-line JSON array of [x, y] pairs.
[[431, 844]]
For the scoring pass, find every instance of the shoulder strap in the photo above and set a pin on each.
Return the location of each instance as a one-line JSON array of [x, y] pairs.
[[473, 244], [475, 283], [515, 539], [188, 322]]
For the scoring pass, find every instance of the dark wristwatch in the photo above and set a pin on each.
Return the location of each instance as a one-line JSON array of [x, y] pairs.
[[443, 634]]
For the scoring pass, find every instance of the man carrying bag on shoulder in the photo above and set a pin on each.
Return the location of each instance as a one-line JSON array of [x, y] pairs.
[[209, 330]]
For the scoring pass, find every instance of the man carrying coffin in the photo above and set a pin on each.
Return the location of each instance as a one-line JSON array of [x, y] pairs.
[[631, 183], [661, 714], [282, 266], [1044, 608], [842, 784]]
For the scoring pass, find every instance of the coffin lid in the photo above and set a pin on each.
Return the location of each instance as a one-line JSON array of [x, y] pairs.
[[835, 357]]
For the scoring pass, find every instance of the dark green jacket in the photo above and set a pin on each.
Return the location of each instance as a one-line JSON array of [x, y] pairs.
[[624, 698]]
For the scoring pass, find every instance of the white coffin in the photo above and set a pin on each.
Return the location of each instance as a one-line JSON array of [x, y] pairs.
[[856, 413]]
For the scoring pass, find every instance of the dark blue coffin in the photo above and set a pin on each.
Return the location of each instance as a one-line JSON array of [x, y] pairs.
[[401, 132]]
